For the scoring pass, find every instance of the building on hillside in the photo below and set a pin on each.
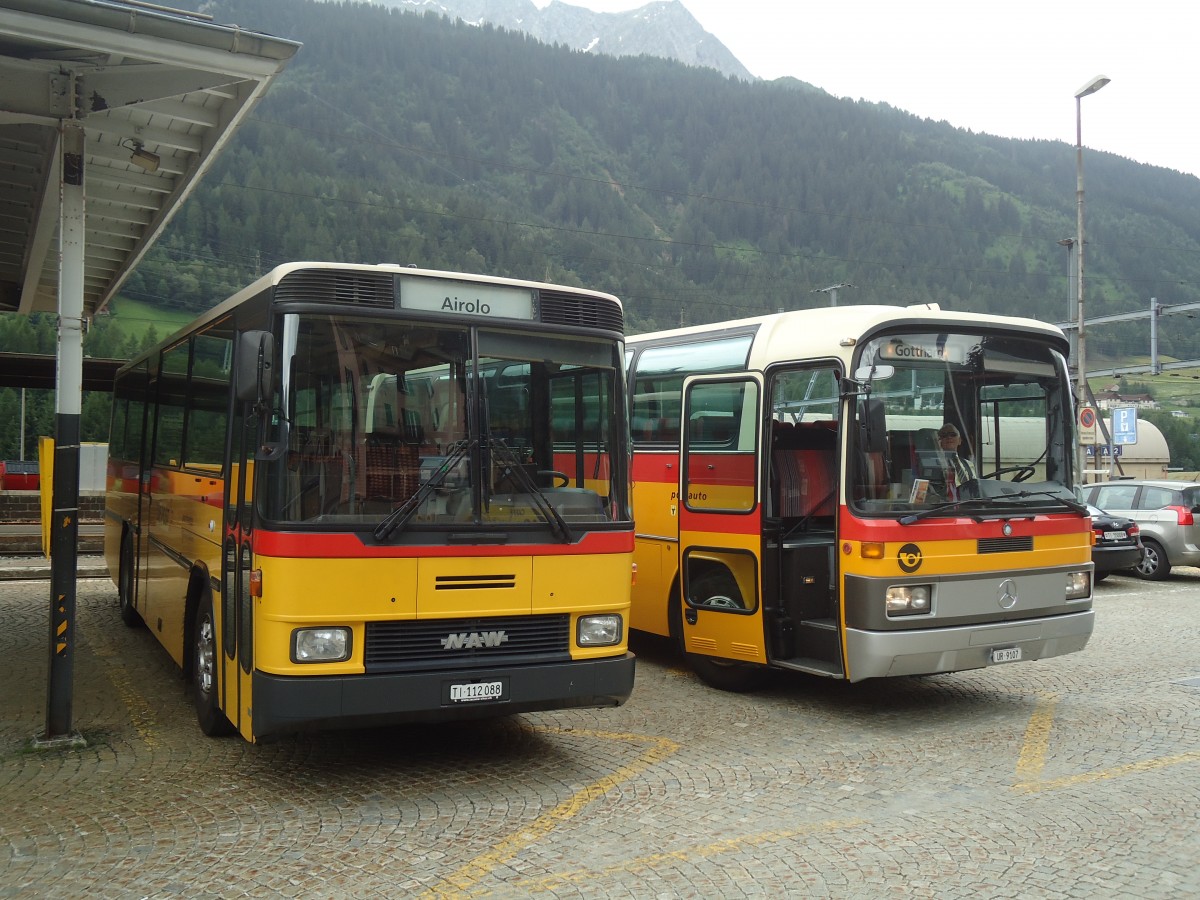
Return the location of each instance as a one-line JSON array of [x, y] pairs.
[[1108, 399]]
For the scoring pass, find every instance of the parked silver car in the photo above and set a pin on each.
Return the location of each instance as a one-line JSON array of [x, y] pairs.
[[1166, 512]]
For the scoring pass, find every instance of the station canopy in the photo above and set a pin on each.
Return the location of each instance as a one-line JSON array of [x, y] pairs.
[[158, 93]]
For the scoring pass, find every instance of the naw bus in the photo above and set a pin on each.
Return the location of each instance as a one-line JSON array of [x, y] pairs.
[[356, 495], [796, 508]]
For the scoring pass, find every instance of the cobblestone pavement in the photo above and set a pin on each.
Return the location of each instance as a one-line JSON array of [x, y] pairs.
[[1075, 777]]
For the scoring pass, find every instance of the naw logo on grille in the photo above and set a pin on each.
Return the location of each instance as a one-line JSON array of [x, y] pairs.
[[473, 640]]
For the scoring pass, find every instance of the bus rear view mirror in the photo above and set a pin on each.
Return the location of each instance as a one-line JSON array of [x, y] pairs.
[[254, 367], [867, 374]]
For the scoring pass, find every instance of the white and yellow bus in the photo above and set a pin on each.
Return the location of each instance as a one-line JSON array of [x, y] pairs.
[[796, 508], [356, 495]]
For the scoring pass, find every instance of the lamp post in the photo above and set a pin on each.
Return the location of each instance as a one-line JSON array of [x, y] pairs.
[[1081, 388], [1069, 243]]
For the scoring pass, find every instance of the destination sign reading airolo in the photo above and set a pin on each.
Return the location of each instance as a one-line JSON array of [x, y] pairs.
[[487, 301]]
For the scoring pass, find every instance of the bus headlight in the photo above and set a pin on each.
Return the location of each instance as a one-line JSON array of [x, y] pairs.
[[1079, 585], [320, 645], [598, 631], [908, 600]]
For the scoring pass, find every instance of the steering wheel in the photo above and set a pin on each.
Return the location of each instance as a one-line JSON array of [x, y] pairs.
[[554, 476]]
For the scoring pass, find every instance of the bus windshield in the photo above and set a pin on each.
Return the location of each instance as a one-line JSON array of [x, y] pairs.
[[444, 426], [959, 423]]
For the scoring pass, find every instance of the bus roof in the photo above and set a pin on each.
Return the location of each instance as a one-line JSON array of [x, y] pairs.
[[834, 330], [277, 274]]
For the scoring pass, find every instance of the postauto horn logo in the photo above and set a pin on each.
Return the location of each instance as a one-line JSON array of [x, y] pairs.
[[909, 557]]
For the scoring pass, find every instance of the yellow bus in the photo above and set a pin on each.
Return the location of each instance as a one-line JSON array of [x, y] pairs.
[[797, 507], [355, 495]]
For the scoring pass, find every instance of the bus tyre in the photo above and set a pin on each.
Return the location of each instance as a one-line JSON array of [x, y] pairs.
[[717, 589], [129, 614], [1154, 565], [738, 678], [204, 673]]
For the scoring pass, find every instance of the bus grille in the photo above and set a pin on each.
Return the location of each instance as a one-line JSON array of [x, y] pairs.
[[563, 308], [458, 643], [1005, 544], [334, 286]]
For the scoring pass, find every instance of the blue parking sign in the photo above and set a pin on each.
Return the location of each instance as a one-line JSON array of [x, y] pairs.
[[1124, 425]]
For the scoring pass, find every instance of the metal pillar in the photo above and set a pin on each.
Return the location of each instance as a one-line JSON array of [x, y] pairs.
[[64, 527]]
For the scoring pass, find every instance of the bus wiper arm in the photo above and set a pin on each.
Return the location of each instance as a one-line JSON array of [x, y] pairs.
[[1069, 502], [941, 508], [557, 523], [401, 514]]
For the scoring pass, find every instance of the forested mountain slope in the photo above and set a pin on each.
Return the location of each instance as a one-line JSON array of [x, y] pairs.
[[692, 196]]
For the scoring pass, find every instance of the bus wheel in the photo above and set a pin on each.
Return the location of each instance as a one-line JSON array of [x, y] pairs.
[[723, 675], [129, 614], [204, 673], [717, 589]]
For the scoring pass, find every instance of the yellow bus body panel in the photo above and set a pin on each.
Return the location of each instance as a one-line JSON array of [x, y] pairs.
[[658, 564], [963, 557], [351, 592], [730, 635], [656, 514]]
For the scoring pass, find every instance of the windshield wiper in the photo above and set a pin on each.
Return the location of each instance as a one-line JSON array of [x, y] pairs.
[[557, 523], [1071, 504], [941, 508], [401, 514]]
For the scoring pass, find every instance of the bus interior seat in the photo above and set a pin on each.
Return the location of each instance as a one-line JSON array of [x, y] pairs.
[[393, 467], [902, 455], [872, 483], [711, 429], [321, 465], [804, 460], [447, 413], [926, 439]]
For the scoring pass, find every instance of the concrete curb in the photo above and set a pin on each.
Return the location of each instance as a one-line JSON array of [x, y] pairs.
[[28, 568]]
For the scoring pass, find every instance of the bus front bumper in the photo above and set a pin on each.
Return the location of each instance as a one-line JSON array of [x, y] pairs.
[[285, 704], [877, 654]]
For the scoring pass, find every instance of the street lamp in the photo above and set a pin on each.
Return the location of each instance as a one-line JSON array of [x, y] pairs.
[[1069, 243], [1090, 88]]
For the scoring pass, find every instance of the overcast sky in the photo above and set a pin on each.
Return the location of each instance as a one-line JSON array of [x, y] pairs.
[[1009, 68]]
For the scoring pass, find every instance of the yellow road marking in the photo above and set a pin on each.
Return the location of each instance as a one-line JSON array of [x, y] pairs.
[[480, 867], [1146, 765], [686, 854], [1037, 741]]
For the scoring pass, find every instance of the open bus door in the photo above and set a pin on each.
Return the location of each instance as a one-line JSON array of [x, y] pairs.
[[720, 525]]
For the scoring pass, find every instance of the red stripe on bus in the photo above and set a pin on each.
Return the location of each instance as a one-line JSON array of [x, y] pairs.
[[958, 528], [652, 467], [349, 546]]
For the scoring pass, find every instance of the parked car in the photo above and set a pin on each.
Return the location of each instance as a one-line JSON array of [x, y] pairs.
[[1117, 545], [1165, 512]]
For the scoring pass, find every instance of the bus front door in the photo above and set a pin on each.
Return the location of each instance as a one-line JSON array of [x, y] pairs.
[[720, 518]]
